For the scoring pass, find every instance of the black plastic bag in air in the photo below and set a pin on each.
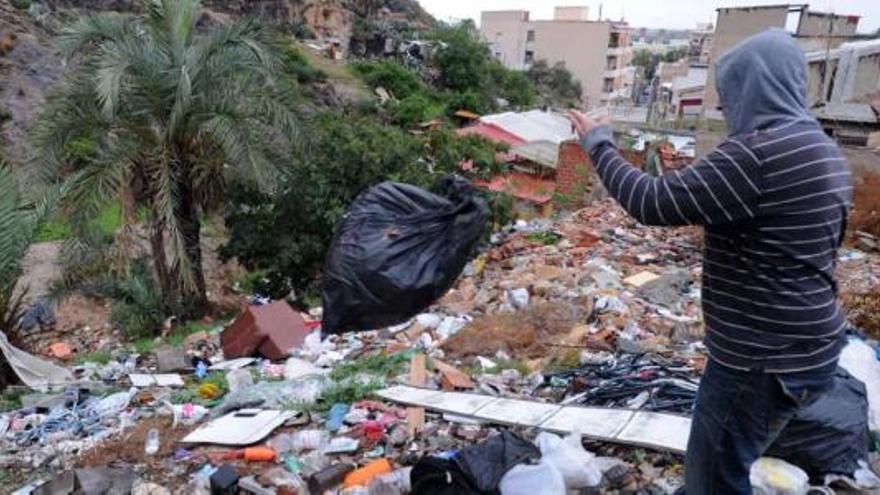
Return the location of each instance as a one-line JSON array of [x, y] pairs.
[[398, 249]]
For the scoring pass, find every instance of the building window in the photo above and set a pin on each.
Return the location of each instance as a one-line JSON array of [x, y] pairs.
[[530, 35], [608, 85], [498, 55], [611, 63], [614, 40], [530, 57]]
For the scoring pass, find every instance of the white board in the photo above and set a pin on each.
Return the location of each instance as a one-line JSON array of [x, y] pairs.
[[244, 427]]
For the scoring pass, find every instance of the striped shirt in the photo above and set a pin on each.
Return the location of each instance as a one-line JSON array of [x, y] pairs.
[[774, 204]]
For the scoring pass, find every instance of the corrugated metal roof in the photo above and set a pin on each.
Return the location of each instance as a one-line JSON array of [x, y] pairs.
[[534, 125], [542, 152], [491, 132]]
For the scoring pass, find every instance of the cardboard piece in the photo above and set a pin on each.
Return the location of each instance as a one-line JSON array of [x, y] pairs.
[[668, 432], [271, 331], [451, 377], [640, 279], [243, 427]]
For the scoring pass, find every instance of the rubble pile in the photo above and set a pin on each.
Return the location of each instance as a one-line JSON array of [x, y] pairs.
[[590, 314]]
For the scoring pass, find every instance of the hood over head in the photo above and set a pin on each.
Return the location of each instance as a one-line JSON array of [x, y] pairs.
[[762, 82]]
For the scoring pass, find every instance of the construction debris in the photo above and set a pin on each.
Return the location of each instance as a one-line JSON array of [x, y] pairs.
[[587, 326]]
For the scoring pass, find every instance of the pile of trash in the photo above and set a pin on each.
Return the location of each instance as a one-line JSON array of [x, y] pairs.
[[566, 357]]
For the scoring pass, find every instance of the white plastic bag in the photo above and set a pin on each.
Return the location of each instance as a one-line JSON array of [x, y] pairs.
[[770, 476], [861, 361], [532, 479], [577, 466]]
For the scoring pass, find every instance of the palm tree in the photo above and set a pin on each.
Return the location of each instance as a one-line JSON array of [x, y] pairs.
[[19, 223], [171, 114]]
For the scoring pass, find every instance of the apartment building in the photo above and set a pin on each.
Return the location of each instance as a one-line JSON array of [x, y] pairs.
[[597, 52], [701, 44], [812, 30]]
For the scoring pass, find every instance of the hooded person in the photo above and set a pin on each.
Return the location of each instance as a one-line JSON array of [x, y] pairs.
[[773, 199]]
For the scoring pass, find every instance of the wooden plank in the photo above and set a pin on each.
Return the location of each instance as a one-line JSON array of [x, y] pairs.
[[415, 416]]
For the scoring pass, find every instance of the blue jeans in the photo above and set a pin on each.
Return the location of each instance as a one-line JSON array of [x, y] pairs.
[[737, 417]]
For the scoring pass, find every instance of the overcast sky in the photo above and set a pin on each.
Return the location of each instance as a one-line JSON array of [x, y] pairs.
[[673, 14]]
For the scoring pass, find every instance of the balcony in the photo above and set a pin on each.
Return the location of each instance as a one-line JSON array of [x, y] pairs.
[[615, 51], [612, 73]]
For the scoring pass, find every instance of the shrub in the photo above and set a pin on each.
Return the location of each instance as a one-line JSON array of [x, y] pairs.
[[415, 109], [137, 308], [287, 234], [395, 78], [21, 4]]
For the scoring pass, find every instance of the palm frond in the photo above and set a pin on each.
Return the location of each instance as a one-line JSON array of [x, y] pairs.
[[93, 29]]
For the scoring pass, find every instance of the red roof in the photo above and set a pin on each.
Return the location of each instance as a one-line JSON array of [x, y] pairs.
[[521, 186], [492, 132]]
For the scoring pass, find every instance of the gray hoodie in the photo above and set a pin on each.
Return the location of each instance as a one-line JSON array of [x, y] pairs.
[[762, 82]]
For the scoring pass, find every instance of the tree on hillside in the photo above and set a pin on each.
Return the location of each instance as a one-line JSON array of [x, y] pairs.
[[467, 71], [556, 86], [172, 114]]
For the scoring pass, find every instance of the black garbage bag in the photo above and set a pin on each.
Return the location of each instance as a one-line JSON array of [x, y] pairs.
[[487, 462], [831, 435], [398, 250], [476, 469]]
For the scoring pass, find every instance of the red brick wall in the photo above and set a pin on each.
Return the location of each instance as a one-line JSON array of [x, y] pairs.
[[573, 171]]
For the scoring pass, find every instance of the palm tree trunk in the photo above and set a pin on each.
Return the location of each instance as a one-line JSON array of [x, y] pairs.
[[167, 279], [195, 299]]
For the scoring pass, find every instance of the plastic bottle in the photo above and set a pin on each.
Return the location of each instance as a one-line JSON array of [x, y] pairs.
[[309, 440], [282, 443], [152, 444], [259, 454], [366, 474], [329, 478], [395, 483]]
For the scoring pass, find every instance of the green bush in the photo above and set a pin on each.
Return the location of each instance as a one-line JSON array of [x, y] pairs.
[[137, 306], [21, 4], [415, 109], [395, 78], [297, 65], [287, 234]]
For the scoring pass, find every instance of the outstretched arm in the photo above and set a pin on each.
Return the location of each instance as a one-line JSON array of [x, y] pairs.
[[723, 187]]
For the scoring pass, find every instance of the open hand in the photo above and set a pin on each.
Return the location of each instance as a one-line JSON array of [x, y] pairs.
[[584, 124]]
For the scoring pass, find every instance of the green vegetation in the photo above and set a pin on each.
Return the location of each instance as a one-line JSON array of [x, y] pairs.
[[286, 234], [99, 357], [395, 78], [10, 400], [21, 4], [178, 335], [180, 112], [381, 365], [58, 228], [556, 86], [546, 238]]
